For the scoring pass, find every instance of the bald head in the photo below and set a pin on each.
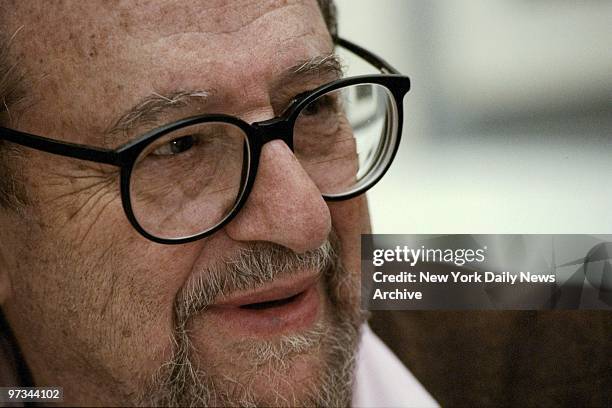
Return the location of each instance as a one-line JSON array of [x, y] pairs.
[[34, 46], [15, 15]]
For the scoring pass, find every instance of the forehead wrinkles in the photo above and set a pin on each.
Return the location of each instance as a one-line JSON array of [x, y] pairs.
[[117, 51], [103, 21], [240, 41], [151, 19]]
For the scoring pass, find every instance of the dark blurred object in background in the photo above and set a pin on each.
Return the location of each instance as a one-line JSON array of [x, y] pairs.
[[505, 358]]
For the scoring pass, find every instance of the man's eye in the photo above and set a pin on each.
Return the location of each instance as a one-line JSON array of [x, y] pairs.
[[176, 146], [323, 105]]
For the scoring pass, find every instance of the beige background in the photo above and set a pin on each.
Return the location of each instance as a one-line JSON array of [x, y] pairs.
[[509, 120]]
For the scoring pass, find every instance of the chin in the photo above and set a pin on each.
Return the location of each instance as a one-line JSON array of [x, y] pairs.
[[290, 340], [272, 354], [308, 365], [277, 379]]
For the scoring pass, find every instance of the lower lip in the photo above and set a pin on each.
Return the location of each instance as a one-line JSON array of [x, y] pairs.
[[298, 314]]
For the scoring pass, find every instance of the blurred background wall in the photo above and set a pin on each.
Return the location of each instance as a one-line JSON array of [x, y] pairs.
[[508, 130], [509, 120]]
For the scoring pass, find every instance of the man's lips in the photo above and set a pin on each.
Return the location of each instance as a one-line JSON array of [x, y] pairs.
[[283, 305], [276, 290]]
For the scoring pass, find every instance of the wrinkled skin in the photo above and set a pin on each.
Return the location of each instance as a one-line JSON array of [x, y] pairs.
[[88, 298]]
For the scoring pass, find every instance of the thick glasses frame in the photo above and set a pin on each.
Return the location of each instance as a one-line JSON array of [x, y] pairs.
[[258, 134]]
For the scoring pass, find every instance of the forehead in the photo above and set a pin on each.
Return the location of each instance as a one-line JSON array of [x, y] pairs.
[[94, 59]]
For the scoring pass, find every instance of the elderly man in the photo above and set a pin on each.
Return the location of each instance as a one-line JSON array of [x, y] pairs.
[[182, 203]]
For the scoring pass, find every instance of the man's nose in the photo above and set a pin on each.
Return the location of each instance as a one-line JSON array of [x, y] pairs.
[[284, 206]]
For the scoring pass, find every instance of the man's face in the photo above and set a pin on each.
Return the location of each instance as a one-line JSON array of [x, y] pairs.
[[238, 317]]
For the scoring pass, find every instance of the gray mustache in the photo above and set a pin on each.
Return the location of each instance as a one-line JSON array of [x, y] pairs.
[[252, 267]]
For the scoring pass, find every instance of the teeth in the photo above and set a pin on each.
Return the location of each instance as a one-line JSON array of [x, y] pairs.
[[269, 304]]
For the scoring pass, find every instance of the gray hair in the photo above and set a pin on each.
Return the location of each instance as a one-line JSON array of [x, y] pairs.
[[181, 381]]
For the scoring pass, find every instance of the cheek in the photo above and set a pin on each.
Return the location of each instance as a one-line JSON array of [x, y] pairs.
[[349, 220], [83, 263]]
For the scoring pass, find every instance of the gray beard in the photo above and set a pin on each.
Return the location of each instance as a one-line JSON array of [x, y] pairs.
[[182, 382]]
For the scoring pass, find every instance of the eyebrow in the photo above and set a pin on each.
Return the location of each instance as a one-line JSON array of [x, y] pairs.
[[148, 111], [317, 66]]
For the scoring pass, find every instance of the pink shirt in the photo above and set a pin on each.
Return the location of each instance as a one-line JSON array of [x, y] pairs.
[[381, 380]]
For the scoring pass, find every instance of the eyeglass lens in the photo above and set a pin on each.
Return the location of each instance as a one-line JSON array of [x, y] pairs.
[[190, 180]]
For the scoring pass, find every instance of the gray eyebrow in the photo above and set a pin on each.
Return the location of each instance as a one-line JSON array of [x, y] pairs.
[[148, 110], [321, 64]]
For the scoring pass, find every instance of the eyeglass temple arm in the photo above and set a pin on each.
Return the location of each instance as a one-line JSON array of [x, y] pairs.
[[61, 148], [373, 59], [111, 157]]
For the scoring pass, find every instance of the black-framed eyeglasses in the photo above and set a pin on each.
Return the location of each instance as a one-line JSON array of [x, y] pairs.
[[188, 179]]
